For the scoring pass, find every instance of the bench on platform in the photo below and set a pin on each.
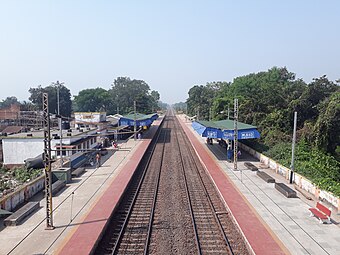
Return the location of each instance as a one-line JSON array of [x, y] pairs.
[[285, 190], [266, 177], [57, 186], [18, 216], [77, 172], [321, 212], [250, 166]]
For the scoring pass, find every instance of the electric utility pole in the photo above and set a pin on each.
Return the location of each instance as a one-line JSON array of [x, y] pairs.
[[135, 120], [47, 162], [60, 125], [235, 132]]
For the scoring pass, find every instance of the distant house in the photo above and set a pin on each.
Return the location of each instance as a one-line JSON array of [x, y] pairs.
[[76, 144], [10, 113], [89, 119], [8, 130]]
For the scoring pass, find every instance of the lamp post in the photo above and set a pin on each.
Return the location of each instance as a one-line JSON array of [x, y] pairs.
[[293, 150], [117, 104]]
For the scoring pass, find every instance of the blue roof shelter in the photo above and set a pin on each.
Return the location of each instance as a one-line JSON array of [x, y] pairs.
[[224, 129], [141, 119]]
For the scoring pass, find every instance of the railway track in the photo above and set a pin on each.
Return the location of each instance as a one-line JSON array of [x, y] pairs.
[[171, 206], [209, 233]]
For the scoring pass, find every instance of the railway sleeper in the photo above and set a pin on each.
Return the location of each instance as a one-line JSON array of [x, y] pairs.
[[210, 235]]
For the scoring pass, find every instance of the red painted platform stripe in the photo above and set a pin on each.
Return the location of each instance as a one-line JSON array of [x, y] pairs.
[[260, 239], [86, 236]]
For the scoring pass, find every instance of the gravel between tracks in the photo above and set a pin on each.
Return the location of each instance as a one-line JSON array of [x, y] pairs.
[[172, 232]]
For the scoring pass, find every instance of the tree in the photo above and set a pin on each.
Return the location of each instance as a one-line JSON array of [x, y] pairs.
[[6, 103], [93, 100], [155, 96], [315, 92], [125, 91], [180, 106], [200, 101], [27, 106], [65, 102], [328, 124]]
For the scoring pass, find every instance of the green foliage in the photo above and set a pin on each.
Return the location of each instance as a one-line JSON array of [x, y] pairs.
[[22, 174], [93, 100], [200, 99], [65, 102], [268, 100], [322, 169], [180, 107], [162, 106], [125, 91], [12, 178], [6, 103], [327, 126]]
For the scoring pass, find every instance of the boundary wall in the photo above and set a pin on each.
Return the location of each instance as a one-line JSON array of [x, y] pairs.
[[12, 200], [299, 180]]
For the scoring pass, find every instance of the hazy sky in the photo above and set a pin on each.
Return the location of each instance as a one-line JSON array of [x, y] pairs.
[[172, 45]]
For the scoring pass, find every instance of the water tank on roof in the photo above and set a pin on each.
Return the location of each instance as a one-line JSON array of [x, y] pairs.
[[65, 125]]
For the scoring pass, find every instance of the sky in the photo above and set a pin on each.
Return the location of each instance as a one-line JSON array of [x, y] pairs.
[[171, 45]]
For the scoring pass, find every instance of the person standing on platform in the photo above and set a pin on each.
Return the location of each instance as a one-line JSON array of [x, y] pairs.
[[239, 154], [98, 157]]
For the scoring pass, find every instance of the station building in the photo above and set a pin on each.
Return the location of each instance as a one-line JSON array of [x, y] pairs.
[[17, 148]]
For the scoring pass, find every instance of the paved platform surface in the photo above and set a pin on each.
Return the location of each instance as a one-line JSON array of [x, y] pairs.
[[72, 206], [288, 218]]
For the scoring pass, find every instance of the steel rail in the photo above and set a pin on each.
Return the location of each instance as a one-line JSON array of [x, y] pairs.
[[119, 238], [215, 214], [152, 213], [198, 245]]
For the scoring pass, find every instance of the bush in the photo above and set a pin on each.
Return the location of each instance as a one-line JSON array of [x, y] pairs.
[[22, 174], [320, 168]]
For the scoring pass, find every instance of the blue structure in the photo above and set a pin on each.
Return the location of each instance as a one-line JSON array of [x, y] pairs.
[[141, 119], [224, 129]]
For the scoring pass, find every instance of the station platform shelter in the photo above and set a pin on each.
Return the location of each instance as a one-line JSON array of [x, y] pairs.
[[142, 120], [224, 129]]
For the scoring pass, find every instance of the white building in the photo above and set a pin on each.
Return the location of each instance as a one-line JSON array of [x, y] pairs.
[[75, 144], [83, 119]]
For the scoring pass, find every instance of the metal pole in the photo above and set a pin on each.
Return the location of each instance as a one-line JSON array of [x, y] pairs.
[[71, 206], [117, 104], [60, 126], [235, 132], [228, 111], [135, 119], [293, 149], [47, 161]]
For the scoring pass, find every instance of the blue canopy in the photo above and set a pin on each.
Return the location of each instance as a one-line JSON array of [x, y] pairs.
[[222, 129], [141, 119]]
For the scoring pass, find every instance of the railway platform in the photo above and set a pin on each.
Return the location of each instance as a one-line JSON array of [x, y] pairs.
[[82, 209], [271, 222]]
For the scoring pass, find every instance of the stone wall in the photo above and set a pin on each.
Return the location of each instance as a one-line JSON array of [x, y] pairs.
[[16, 198]]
